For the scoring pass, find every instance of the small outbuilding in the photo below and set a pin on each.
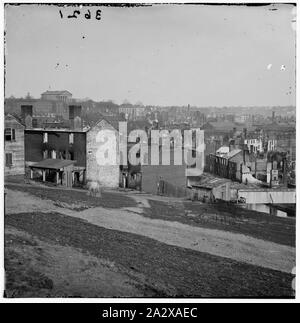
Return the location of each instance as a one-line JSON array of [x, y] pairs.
[[57, 171]]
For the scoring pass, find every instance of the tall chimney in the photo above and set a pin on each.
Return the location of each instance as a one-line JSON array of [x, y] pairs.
[[245, 147], [75, 116], [25, 111], [28, 122], [284, 172]]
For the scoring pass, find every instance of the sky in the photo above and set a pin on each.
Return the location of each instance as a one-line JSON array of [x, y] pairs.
[[202, 55]]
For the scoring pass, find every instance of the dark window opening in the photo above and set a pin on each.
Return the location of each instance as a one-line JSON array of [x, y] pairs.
[[8, 159]]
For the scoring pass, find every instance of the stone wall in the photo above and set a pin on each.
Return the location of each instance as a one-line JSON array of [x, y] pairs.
[[107, 175]]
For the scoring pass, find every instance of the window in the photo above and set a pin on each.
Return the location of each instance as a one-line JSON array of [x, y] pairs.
[[34, 123], [45, 137], [9, 134], [71, 138], [8, 159]]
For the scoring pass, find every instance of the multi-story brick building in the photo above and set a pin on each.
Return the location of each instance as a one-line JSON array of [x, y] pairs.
[[46, 148]]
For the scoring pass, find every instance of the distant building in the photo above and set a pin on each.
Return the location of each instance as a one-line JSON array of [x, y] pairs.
[[254, 145], [219, 127], [132, 112], [222, 151], [227, 165], [13, 146], [272, 144], [62, 96]]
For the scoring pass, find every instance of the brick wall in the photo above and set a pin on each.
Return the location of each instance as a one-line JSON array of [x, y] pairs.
[[107, 175]]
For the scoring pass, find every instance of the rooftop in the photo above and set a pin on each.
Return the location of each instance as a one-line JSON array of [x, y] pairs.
[[232, 153], [53, 163], [86, 129], [210, 181], [57, 92]]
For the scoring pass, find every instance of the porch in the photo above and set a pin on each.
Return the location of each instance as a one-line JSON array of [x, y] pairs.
[[57, 171]]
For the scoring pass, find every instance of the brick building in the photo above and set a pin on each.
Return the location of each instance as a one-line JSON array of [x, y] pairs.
[[77, 145]]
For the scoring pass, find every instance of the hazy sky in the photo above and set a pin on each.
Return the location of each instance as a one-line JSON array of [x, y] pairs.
[[165, 54]]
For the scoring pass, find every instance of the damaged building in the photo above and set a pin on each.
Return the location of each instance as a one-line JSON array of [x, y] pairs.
[[67, 155]]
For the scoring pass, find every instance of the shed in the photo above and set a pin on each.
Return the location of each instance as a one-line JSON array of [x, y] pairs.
[[63, 170]]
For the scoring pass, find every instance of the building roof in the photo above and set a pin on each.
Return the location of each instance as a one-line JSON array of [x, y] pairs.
[[10, 116], [53, 163], [279, 126], [212, 183], [84, 129], [223, 150], [221, 125], [57, 92], [114, 120], [232, 153]]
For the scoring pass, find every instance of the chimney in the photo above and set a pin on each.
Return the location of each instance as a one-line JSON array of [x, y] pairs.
[[75, 116], [231, 145], [245, 147], [28, 122], [284, 172], [77, 125], [25, 111]]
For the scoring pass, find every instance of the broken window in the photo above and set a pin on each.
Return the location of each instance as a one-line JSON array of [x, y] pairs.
[[8, 159], [9, 134]]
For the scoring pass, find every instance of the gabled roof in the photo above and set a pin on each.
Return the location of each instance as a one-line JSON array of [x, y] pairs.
[[112, 120], [232, 153], [223, 150], [8, 115], [53, 163]]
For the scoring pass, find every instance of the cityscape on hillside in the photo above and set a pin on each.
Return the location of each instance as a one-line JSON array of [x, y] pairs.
[[257, 149], [133, 199]]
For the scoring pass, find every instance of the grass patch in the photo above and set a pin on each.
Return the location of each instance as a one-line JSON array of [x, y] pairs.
[[227, 218], [76, 198]]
